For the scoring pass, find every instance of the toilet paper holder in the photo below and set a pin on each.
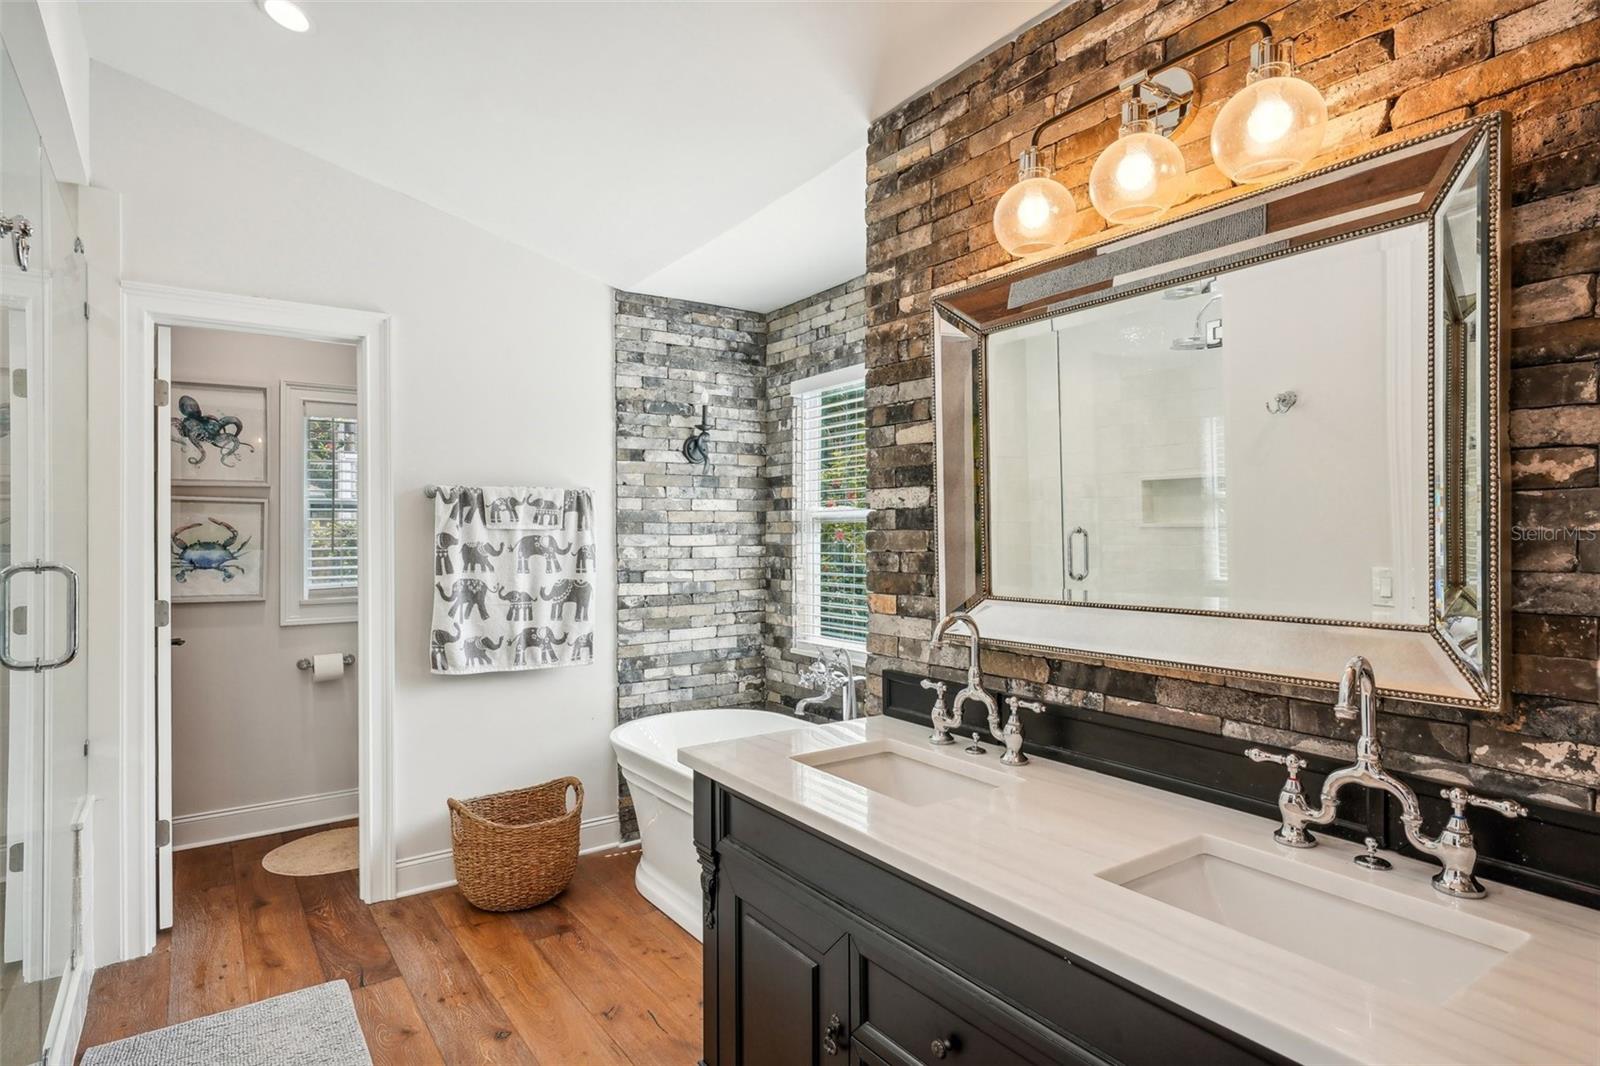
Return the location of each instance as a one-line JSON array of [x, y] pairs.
[[305, 664]]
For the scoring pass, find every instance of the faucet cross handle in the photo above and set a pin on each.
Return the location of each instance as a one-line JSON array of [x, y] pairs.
[[941, 718], [1011, 735], [1289, 760], [1460, 799]]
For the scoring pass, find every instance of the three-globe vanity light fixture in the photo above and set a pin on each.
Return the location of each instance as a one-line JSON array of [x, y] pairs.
[[1267, 131]]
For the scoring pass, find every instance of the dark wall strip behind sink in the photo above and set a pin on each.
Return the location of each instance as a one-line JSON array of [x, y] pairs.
[[1553, 851]]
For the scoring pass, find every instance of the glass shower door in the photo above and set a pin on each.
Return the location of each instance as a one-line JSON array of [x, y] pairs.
[[43, 532]]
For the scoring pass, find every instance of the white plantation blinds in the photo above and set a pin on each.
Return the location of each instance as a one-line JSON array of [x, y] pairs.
[[831, 508], [330, 498]]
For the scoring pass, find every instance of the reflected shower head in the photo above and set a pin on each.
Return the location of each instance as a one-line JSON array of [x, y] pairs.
[[1183, 292], [1206, 334]]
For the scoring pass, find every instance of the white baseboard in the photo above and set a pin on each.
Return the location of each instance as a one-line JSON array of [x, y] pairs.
[[259, 819], [424, 873]]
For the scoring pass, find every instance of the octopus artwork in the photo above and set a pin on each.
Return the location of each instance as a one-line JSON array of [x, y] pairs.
[[195, 428]]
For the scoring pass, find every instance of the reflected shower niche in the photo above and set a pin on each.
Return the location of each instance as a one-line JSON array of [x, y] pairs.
[[1255, 440]]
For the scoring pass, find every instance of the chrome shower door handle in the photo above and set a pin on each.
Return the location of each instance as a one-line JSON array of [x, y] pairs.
[[38, 567], [1072, 569]]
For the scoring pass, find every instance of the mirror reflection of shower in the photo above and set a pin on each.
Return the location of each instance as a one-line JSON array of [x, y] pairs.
[[1207, 332]]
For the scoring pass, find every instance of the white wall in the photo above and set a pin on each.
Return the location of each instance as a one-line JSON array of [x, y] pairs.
[[502, 375], [247, 727]]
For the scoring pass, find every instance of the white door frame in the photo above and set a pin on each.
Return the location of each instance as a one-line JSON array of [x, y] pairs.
[[144, 307]]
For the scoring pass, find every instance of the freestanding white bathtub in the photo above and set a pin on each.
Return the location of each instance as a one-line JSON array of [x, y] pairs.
[[663, 796]]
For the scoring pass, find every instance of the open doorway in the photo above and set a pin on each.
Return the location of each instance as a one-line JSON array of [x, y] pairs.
[[139, 480], [258, 491]]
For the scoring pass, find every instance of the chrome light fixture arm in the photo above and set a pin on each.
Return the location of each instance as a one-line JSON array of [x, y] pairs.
[[1144, 84]]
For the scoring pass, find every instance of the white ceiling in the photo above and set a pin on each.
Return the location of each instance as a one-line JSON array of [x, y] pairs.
[[697, 150]]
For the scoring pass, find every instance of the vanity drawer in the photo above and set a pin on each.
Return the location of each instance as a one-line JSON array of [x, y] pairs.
[[908, 1010]]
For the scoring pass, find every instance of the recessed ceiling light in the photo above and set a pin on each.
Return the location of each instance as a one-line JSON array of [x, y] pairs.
[[287, 14]]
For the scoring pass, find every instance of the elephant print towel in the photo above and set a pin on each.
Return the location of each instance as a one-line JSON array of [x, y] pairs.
[[513, 578]]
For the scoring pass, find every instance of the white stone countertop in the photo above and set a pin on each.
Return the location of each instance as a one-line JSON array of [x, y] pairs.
[[1032, 851]]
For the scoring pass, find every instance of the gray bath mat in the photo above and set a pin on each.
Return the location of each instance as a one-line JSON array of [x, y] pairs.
[[314, 1025]]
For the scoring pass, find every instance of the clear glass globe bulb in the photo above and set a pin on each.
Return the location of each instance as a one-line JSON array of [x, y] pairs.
[[1138, 179], [1036, 214], [1271, 128]]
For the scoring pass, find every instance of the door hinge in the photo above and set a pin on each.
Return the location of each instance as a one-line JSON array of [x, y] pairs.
[[163, 613], [86, 310], [86, 749], [19, 620], [14, 858], [163, 832], [19, 383], [163, 392]]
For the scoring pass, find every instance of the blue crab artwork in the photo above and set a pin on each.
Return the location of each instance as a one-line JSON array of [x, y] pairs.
[[196, 555], [193, 426]]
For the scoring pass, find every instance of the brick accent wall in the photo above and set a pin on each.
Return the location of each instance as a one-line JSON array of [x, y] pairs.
[[1391, 69], [703, 560], [824, 332], [691, 576]]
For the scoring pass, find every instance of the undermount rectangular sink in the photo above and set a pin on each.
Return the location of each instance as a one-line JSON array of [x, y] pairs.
[[904, 772], [1383, 937]]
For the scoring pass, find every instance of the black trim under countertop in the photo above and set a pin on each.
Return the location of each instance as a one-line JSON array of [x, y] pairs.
[[1554, 851]]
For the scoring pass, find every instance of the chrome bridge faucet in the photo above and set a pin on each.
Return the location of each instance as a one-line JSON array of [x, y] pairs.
[[832, 672], [1454, 846], [943, 721]]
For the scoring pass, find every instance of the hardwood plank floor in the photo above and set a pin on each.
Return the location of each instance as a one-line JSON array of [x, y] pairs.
[[394, 1030], [208, 968], [595, 976], [278, 954]]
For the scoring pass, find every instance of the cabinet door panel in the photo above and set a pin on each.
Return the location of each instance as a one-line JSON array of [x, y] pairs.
[[784, 969], [780, 996]]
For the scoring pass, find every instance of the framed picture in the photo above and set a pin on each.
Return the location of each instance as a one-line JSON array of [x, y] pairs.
[[219, 434], [218, 550]]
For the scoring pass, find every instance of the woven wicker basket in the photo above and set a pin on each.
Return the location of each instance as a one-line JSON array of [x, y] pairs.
[[516, 849]]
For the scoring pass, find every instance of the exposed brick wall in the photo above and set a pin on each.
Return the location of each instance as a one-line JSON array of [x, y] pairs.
[[1391, 69], [703, 560], [691, 576], [825, 332]]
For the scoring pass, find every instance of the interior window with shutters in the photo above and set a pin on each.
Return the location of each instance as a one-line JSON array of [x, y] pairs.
[[318, 505], [330, 500], [831, 508]]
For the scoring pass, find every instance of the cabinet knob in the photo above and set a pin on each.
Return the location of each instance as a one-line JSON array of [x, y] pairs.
[[943, 1047], [831, 1035]]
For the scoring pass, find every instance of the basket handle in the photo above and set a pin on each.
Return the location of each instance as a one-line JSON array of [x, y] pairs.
[[577, 788], [457, 812]]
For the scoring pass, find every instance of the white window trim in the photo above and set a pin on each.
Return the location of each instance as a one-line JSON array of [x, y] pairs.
[[806, 641], [294, 608]]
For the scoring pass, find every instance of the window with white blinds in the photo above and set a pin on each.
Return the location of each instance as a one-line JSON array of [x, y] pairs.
[[318, 504], [330, 515], [830, 429]]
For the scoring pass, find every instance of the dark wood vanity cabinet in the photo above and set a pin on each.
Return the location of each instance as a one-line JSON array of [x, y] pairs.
[[818, 956]]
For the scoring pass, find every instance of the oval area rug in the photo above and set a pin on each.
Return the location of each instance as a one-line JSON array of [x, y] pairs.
[[329, 852]]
